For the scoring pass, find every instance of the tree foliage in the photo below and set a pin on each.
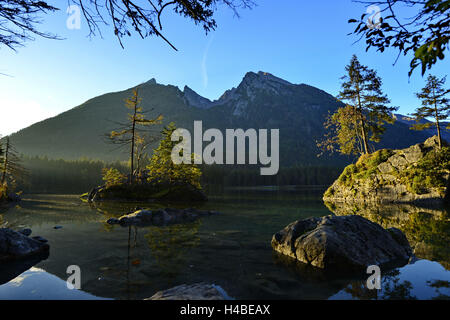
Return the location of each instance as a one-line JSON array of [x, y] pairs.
[[130, 134], [162, 170], [342, 133], [350, 128], [426, 34], [19, 18], [113, 177], [11, 170], [435, 104]]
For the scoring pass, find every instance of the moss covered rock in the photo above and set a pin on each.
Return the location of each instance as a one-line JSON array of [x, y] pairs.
[[419, 173]]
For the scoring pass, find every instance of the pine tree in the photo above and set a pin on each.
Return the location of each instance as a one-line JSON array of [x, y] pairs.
[[128, 133], [162, 170], [364, 116], [435, 105], [341, 130], [112, 177], [11, 166]]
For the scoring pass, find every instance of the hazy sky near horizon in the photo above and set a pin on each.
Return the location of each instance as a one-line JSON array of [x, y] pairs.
[[300, 41]]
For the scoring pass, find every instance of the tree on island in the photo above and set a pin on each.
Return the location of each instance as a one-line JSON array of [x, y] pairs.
[[11, 169], [143, 142], [128, 134], [19, 19], [162, 170], [350, 128], [426, 33], [435, 105], [113, 177]]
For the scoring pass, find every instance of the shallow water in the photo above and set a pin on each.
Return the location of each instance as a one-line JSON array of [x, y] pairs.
[[231, 250]]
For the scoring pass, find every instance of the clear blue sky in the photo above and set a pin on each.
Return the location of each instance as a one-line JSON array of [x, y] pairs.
[[300, 41]]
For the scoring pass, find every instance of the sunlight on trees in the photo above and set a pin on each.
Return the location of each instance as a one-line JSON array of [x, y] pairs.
[[350, 128], [127, 135], [162, 170], [11, 169], [435, 105], [113, 177]]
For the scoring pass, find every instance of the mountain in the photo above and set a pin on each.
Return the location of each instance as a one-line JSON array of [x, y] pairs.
[[430, 131], [261, 100]]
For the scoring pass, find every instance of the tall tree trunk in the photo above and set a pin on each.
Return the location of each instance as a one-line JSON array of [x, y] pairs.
[[132, 146], [5, 165], [363, 124], [364, 134], [437, 119], [438, 127]]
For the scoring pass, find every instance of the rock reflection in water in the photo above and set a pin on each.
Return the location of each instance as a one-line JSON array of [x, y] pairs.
[[427, 229], [12, 269]]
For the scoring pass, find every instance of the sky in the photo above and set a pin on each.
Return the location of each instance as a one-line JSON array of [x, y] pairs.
[[299, 41]]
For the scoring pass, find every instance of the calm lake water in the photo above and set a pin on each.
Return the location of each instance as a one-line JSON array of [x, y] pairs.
[[231, 250]]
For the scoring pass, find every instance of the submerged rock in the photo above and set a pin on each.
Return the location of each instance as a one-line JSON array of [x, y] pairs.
[[342, 243], [26, 232], [165, 216], [199, 291], [40, 239], [16, 245], [417, 174]]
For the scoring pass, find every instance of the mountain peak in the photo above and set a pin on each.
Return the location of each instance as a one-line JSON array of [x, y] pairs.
[[261, 77], [194, 99], [151, 81]]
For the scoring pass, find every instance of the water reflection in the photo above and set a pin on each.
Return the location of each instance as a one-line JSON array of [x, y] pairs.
[[427, 229], [12, 269], [231, 250], [414, 281], [36, 284]]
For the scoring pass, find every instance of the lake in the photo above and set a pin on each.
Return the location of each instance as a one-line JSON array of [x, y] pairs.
[[231, 250]]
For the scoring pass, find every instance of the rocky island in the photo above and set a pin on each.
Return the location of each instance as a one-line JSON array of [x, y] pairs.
[[145, 193], [418, 174]]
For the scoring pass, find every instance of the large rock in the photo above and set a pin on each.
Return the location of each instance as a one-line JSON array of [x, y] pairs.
[[160, 217], [16, 245], [342, 243], [199, 291], [418, 174]]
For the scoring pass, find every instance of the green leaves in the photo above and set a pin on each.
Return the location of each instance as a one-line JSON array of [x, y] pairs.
[[434, 104], [366, 112], [426, 34], [162, 169]]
